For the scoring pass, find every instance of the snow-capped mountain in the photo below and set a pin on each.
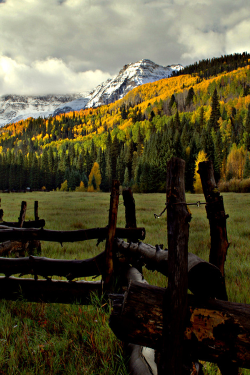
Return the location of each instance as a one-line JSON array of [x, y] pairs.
[[16, 107], [19, 107], [129, 77]]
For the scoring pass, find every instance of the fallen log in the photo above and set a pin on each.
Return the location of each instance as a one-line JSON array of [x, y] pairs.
[[51, 291], [46, 267], [215, 330], [204, 278], [26, 224], [25, 234]]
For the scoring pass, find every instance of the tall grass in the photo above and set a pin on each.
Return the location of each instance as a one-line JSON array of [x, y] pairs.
[[62, 339]]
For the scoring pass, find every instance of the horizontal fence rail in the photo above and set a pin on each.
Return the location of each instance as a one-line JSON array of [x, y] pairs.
[[25, 234], [26, 224], [55, 291]]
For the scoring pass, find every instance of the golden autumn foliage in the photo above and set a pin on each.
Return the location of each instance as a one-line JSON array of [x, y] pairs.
[[236, 162], [73, 140], [94, 178], [64, 186], [81, 187], [202, 156]]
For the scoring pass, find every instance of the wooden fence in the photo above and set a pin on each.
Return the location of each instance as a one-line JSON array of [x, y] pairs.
[[176, 328]]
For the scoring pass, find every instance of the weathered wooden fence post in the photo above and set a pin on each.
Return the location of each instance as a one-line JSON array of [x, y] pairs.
[[216, 216], [36, 210], [35, 244], [109, 262], [130, 217], [1, 212], [174, 317], [218, 232], [21, 220], [22, 214]]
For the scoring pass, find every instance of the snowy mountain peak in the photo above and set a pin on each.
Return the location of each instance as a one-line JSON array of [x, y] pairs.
[[16, 107], [130, 76]]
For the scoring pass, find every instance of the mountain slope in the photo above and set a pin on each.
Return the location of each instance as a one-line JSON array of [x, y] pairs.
[[19, 107], [129, 77], [14, 108], [133, 138]]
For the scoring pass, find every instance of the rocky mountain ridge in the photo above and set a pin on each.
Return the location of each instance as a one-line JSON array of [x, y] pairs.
[[14, 108], [129, 77], [19, 107]]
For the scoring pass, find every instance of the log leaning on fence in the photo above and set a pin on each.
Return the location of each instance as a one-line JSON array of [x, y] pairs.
[[48, 290], [203, 278], [23, 234], [215, 329]]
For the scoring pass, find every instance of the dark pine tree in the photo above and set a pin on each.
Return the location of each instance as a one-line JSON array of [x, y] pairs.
[[215, 113]]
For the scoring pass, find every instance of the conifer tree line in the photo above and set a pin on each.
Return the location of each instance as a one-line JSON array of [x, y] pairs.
[[132, 139], [211, 67]]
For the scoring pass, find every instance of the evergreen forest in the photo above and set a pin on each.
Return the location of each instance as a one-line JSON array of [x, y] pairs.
[[201, 113]]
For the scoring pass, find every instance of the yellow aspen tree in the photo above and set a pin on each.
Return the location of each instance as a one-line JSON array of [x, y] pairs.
[[95, 178], [81, 187], [64, 186], [235, 162], [202, 156]]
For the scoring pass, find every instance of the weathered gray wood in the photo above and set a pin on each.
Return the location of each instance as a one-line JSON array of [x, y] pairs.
[[23, 234], [215, 330], [141, 361], [48, 290], [204, 278], [109, 249], [175, 301], [138, 363]]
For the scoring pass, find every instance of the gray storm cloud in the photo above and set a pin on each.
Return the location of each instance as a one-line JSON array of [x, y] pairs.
[[66, 46]]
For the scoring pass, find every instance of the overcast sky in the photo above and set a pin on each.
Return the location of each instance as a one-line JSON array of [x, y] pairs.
[[71, 46]]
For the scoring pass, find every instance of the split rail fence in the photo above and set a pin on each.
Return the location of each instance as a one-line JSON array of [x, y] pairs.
[[178, 328]]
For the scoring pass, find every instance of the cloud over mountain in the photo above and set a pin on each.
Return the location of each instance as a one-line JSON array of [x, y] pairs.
[[88, 40]]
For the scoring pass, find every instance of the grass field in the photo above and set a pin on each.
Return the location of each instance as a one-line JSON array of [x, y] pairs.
[[60, 339]]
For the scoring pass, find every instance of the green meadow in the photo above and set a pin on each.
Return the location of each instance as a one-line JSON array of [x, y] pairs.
[[74, 339]]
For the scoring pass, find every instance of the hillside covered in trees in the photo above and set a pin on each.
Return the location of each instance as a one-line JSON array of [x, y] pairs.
[[201, 113]]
